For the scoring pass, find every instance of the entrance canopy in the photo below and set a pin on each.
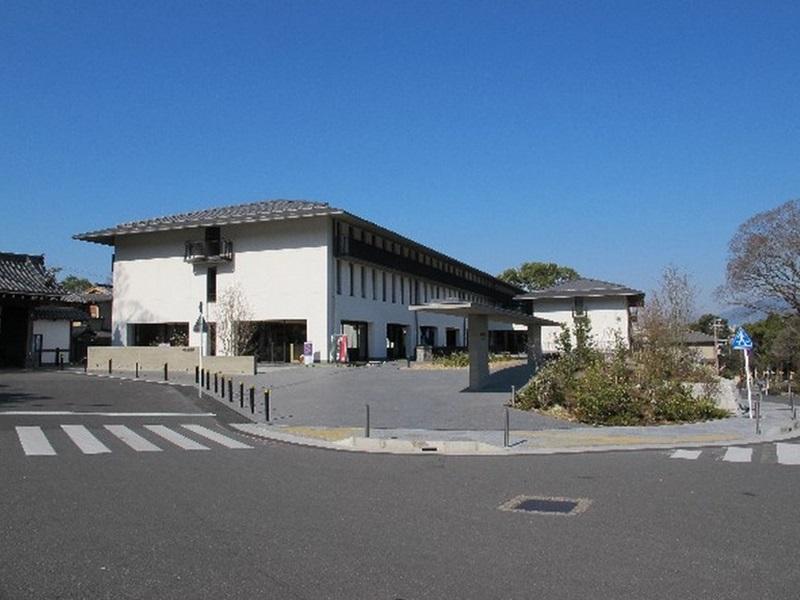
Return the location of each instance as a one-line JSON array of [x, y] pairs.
[[478, 316], [462, 308]]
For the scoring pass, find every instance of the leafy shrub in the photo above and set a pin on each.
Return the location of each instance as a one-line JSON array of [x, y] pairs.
[[674, 402], [454, 360], [623, 387]]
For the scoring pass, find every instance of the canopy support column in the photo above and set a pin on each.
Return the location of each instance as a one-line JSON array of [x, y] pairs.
[[534, 346], [478, 351]]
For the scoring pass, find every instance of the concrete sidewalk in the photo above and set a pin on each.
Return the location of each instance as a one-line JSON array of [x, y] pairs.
[[440, 420], [776, 424]]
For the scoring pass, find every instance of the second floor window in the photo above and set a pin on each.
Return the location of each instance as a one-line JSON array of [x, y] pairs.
[[211, 284]]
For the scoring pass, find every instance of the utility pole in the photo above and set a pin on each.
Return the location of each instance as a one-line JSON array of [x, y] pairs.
[[716, 326]]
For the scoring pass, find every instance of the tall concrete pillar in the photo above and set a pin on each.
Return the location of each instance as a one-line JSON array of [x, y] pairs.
[[478, 351], [534, 345]]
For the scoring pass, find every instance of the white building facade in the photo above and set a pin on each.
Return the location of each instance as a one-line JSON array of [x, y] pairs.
[[308, 272], [611, 310]]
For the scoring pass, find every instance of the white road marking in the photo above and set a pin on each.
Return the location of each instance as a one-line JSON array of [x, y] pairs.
[[132, 439], [687, 454], [34, 442], [84, 439], [216, 437], [734, 454], [61, 413], [788, 454], [176, 438]]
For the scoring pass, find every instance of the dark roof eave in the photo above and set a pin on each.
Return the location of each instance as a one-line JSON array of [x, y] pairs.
[[581, 294], [108, 236], [512, 289]]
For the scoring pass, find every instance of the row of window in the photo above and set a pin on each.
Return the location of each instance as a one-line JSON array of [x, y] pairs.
[[388, 245], [386, 286]]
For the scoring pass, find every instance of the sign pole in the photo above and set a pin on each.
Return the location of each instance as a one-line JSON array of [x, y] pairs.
[[200, 352], [749, 385]]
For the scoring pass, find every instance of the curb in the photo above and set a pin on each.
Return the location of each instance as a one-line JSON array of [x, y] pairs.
[[477, 448]]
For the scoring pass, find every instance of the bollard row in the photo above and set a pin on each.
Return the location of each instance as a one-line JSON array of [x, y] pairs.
[[224, 387]]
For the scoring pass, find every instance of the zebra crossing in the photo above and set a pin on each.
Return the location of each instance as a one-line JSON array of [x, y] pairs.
[[151, 438], [782, 453]]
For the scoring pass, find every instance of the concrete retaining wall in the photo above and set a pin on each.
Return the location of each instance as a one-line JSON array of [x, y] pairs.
[[152, 358]]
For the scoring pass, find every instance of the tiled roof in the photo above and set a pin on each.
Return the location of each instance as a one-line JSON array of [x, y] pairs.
[[25, 275], [698, 338], [87, 297], [254, 212], [59, 313], [581, 287]]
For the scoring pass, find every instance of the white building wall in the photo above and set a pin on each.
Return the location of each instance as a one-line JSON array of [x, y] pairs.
[[280, 266], [285, 269], [378, 313], [55, 334], [608, 316]]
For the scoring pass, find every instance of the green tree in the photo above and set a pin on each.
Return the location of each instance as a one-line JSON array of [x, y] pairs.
[[776, 339], [705, 324], [538, 275], [72, 283]]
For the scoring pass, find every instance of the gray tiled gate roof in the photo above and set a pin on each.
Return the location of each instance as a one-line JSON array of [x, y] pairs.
[[25, 275]]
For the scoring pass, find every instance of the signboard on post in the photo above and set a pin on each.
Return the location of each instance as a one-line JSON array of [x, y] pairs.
[[741, 341]]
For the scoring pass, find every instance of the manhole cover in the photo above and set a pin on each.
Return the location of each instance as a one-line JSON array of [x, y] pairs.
[[547, 505]]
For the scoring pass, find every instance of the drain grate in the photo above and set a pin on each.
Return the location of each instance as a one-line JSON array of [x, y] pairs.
[[547, 505]]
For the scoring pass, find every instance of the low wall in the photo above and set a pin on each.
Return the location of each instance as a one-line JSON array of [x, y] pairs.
[[152, 358]]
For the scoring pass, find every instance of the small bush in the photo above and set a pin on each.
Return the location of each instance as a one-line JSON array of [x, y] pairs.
[[454, 360], [622, 387]]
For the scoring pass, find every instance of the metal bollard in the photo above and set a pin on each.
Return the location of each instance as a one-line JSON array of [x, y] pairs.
[[513, 396], [216, 384], [230, 390], [85, 364], [208, 381], [367, 424], [197, 374], [252, 399], [222, 386], [241, 395], [202, 378], [109, 366], [758, 413], [137, 370], [266, 405], [166, 371], [506, 432]]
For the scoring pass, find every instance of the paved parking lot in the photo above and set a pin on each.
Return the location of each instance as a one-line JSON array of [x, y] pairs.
[[399, 397]]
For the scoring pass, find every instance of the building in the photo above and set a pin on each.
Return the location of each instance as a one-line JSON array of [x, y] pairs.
[[95, 330], [704, 346], [53, 333], [611, 309], [308, 272], [25, 285]]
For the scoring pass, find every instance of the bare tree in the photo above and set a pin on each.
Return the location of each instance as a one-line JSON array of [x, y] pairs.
[[662, 349], [670, 308], [763, 270], [235, 326]]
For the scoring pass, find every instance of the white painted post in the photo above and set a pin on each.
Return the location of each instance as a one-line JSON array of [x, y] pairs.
[[749, 384], [200, 358]]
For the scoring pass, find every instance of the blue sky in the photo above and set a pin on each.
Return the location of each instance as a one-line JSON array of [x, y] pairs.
[[613, 137]]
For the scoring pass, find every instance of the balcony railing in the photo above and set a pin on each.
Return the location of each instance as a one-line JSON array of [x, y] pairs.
[[208, 251]]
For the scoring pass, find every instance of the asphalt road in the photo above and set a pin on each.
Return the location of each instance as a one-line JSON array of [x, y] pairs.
[[278, 521]]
